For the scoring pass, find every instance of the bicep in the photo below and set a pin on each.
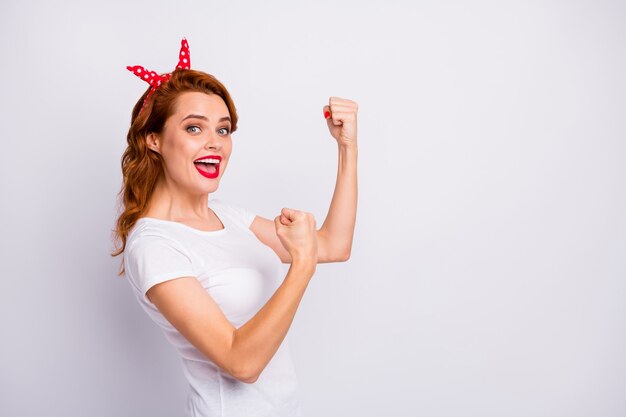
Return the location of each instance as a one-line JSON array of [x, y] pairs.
[[193, 312]]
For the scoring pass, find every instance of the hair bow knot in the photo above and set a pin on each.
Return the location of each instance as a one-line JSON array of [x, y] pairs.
[[154, 79]]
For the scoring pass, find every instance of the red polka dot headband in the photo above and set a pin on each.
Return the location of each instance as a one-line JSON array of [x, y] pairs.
[[154, 79]]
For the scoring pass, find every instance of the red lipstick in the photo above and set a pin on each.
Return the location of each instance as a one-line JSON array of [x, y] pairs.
[[208, 166]]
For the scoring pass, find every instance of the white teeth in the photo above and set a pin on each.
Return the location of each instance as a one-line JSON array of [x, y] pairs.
[[209, 161]]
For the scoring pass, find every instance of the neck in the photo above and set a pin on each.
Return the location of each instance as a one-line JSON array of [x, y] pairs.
[[170, 202]]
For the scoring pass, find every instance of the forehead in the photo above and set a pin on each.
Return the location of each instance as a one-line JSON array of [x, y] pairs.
[[209, 105]]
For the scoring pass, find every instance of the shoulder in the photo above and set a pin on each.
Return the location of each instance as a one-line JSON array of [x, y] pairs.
[[152, 256], [151, 251], [145, 228], [149, 234], [235, 211], [221, 203]]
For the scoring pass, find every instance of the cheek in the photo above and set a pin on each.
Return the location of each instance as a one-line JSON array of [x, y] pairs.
[[177, 160]]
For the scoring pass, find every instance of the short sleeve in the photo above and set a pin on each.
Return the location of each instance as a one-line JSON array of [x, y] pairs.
[[151, 260], [246, 215]]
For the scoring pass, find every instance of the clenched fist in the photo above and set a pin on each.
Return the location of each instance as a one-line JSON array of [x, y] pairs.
[[298, 234], [340, 114]]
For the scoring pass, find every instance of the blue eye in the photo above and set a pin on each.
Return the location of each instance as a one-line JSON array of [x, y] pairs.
[[226, 129], [194, 126]]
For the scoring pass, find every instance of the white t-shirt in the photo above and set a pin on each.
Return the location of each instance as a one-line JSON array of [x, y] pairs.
[[241, 274]]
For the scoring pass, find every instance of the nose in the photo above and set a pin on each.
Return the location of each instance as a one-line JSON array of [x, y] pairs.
[[213, 142]]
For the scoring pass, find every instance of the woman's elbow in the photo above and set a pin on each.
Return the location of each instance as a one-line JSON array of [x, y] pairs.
[[249, 379], [245, 376], [252, 380]]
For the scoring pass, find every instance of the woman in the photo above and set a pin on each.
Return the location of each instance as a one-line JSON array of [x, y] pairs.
[[208, 272]]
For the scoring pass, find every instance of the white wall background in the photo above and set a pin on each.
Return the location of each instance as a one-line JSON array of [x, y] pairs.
[[488, 270]]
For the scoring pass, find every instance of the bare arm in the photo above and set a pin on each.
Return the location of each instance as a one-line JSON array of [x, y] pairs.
[[335, 237], [265, 231], [338, 228], [243, 352], [337, 231], [256, 342]]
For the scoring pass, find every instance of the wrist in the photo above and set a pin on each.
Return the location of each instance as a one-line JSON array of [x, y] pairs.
[[348, 148], [303, 264]]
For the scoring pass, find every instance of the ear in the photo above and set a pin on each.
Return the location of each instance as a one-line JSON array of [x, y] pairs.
[[153, 141]]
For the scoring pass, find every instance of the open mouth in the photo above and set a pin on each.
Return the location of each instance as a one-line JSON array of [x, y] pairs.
[[208, 166]]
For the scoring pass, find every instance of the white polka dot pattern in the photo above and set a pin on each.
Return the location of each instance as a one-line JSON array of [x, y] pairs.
[[183, 57], [154, 79]]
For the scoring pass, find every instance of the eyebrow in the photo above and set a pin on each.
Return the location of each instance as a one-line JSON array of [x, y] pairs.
[[198, 116]]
